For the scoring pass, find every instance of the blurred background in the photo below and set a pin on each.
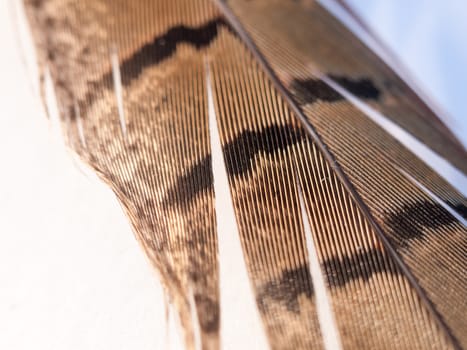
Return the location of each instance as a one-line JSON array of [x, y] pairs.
[[71, 274], [430, 38]]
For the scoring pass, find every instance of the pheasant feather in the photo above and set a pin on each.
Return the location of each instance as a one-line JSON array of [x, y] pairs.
[[284, 181]]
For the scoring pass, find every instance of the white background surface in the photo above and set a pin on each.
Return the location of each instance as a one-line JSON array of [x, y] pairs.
[[72, 276], [71, 273]]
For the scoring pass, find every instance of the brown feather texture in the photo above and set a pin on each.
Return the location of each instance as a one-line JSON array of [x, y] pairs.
[[321, 186]]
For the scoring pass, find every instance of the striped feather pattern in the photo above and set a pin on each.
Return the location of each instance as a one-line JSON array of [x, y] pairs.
[[417, 226], [132, 82]]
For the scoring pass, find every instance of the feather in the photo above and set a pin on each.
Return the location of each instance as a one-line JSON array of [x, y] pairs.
[[309, 121]]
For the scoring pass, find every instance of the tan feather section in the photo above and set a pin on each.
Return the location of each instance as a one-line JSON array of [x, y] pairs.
[[374, 304], [431, 241], [298, 37], [166, 132]]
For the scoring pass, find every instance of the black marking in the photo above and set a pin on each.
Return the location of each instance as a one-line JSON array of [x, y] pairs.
[[363, 88], [461, 209], [164, 46], [338, 272], [154, 52], [240, 152], [311, 90], [362, 265], [287, 289], [308, 91], [239, 157], [197, 179], [408, 222]]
